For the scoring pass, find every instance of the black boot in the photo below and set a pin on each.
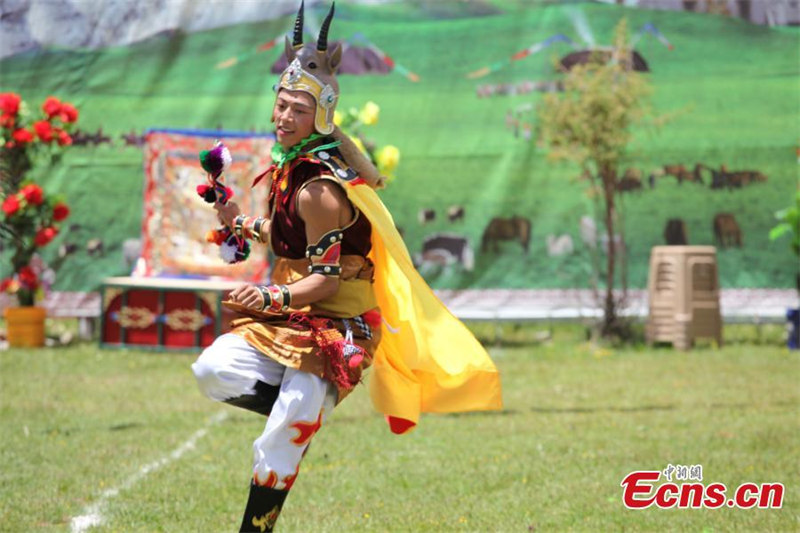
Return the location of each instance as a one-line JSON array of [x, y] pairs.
[[261, 402], [263, 507]]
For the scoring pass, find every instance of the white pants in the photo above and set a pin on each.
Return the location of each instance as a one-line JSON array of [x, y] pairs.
[[231, 368]]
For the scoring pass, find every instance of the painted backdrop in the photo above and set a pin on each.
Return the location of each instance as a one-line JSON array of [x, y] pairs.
[[457, 83]]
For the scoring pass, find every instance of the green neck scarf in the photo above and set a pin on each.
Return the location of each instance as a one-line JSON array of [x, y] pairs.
[[281, 156]]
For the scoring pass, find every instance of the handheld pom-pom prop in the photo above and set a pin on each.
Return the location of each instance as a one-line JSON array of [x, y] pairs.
[[215, 162], [233, 248]]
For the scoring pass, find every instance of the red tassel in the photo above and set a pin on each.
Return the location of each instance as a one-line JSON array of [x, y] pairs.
[[332, 345], [335, 353]]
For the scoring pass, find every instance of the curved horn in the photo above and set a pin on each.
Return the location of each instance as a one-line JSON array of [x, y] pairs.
[[298, 27], [322, 42]]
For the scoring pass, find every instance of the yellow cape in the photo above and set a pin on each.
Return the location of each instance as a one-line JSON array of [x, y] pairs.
[[427, 360]]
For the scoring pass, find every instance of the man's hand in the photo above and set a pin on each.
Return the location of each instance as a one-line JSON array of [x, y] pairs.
[[227, 212], [249, 296]]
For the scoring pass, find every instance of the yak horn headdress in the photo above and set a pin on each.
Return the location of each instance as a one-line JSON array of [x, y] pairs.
[[312, 69]]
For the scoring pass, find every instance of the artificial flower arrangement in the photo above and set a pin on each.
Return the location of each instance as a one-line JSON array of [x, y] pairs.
[[351, 122], [30, 217], [30, 221]]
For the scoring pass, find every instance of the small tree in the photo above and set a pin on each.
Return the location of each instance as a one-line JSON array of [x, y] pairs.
[[590, 123]]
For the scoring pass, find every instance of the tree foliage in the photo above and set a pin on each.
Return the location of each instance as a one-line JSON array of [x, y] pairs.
[[591, 124]]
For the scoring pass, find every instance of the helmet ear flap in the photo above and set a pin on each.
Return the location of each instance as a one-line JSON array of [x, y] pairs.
[[334, 57], [289, 50]]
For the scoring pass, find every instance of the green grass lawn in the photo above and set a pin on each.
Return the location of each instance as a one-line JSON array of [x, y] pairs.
[[106, 431]]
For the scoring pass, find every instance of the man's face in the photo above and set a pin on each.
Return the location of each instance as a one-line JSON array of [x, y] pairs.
[[293, 116]]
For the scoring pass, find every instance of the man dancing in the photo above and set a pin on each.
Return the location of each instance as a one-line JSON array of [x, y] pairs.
[[302, 343]]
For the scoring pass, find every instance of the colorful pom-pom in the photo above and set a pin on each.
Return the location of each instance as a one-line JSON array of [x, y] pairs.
[[207, 193], [217, 236], [216, 160], [244, 252], [234, 250], [227, 252]]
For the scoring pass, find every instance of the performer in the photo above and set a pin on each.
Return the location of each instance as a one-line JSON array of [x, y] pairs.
[[342, 281]]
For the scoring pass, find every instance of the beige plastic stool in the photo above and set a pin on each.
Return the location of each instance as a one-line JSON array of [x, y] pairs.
[[683, 288]]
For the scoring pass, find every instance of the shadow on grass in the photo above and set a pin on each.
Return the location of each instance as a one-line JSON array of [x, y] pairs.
[[642, 408], [616, 409], [122, 427]]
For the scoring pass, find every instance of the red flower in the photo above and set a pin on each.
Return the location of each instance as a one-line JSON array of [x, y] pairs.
[[5, 284], [68, 113], [11, 205], [8, 121], [44, 130], [33, 194], [60, 211], [63, 137], [45, 235], [51, 106], [27, 277], [9, 103], [22, 136]]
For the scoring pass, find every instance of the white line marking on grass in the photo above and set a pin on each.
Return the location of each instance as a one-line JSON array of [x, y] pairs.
[[93, 514]]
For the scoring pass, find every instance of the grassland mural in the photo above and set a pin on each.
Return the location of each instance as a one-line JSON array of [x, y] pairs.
[[477, 200]]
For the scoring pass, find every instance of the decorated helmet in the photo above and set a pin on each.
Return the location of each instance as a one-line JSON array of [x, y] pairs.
[[312, 69]]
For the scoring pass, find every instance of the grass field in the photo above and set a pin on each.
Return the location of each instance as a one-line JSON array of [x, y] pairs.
[[732, 86], [127, 436]]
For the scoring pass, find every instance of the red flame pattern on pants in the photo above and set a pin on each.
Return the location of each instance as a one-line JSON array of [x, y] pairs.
[[306, 430], [270, 482], [288, 481]]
